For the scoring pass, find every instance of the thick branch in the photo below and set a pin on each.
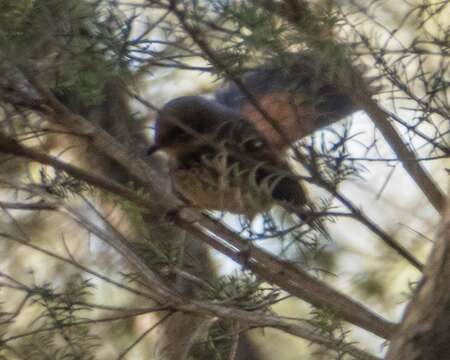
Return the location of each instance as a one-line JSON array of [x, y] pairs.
[[425, 329], [174, 301], [10, 146], [405, 155], [296, 11], [196, 35], [286, 276]]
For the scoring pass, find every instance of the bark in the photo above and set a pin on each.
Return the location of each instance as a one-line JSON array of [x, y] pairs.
[[298, 12], [182, 330], [425, 329]]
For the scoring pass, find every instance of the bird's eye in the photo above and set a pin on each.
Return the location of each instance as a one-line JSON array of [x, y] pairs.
[[177, 134], [255, 144]]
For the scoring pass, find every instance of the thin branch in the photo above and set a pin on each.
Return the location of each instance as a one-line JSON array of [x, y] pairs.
[[413, 167], [296, 10], [76, 265], [81, 322], [11, 146], [196, 34], [234, 340], [359, 215], [142, 336], [28, 206], [205, 309], [294, 280], [285, 275], [260, 320]]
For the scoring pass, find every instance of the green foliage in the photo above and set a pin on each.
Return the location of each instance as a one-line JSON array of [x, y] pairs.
[[242, 290], [74, 47], [62, 185], [328, 323], [72, 44], [135, 213], [327, 155], [258, 35], [59, 331], [326, 320], [371, 285], [159, 255], [217, 344], [12, 16]]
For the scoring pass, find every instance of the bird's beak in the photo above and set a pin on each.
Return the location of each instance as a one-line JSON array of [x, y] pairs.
[[154, 148]]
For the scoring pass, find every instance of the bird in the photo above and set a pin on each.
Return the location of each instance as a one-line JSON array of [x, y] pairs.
[[223, 152], [219, 160]]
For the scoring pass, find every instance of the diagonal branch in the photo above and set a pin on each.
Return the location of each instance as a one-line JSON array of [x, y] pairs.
[[288, 277], [425, 329], [407, 156], [198, 38], [196, 35], [295, 12], [173, 301]]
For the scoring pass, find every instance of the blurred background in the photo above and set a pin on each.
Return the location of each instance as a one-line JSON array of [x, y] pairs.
[[116, 63]]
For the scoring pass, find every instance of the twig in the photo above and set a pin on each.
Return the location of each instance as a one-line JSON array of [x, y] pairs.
[[76, 265], [405, 155], [294, 280], [235, 332], [144, 334], [205, 308], [296, 10], [196, 34], [359, 215], [290, 278], [28, 206]]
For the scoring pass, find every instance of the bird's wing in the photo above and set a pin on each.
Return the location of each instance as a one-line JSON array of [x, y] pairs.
[[298, 94], [248, 149]]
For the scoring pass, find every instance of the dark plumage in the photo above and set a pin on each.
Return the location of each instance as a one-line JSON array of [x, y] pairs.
[[300, 93], [219, 161]]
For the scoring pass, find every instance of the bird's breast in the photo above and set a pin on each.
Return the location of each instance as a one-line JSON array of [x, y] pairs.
[[217, 186]]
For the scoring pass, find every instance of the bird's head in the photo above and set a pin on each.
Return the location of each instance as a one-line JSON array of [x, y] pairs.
[[188, 122]]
